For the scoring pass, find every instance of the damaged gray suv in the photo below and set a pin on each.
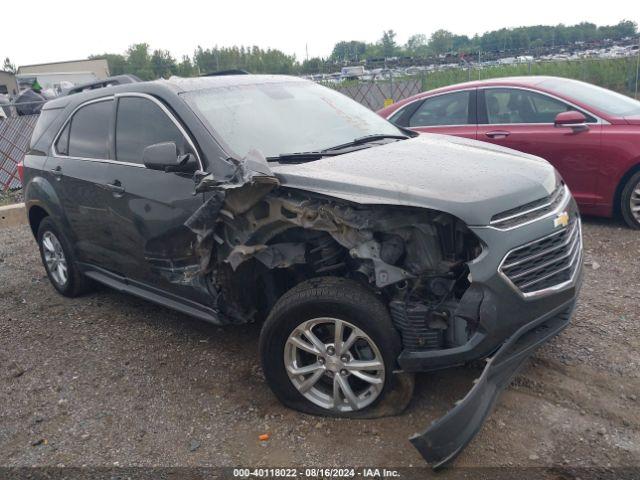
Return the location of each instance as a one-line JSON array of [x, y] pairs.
[[369, 254]]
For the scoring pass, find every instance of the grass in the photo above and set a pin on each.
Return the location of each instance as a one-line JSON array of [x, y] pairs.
[[619, 74]]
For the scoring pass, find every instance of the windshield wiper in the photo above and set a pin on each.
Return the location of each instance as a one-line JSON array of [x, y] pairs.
[[298, 157], [366, 139]]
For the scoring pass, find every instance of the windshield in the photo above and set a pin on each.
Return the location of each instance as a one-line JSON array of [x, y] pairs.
[[607, 101], [284, 117]]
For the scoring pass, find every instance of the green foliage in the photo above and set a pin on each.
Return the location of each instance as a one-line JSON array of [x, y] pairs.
[[348, 51], [388, 43], [163, 64]]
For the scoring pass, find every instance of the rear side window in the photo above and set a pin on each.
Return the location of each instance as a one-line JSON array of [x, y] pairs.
[[140, 123], [448, 109], [44, 121], [89, 133]]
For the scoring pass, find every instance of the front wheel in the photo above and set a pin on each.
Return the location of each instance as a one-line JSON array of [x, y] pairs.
[[329, 348], [630, 201]]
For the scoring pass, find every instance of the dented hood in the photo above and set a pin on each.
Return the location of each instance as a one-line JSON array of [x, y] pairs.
[[469, 179]]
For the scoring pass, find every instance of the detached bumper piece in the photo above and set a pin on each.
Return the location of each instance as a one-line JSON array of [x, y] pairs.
[[446, 437]]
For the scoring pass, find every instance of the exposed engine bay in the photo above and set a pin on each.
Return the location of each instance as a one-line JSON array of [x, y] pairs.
[[264, 240]]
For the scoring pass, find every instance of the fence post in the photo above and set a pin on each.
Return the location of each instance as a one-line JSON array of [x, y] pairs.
[[637, 69]]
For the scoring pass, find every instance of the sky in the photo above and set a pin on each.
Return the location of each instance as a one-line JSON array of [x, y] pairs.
[[74, 29]]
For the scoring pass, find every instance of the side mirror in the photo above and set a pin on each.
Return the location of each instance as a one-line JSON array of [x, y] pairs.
[[572, 119], [164, 156]]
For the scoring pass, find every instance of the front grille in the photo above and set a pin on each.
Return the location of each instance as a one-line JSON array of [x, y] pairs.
[[547, 262], [530, 211]]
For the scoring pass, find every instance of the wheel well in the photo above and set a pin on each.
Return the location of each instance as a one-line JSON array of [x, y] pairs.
[[616, 198], [36, 215]]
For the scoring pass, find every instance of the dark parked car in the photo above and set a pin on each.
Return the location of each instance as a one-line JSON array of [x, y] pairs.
[[590, 134], [368, 254]]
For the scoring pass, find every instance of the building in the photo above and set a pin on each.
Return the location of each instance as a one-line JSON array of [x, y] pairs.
[[98, 67], [58, 77], [8, 83]]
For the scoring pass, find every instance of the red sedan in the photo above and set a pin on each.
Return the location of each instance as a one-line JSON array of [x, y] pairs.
[[590, 134]]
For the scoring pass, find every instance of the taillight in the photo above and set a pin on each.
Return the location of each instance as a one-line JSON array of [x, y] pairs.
[[21, 172]]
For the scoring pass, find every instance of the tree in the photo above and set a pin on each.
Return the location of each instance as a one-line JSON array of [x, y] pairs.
[[417, 45], [186, 68], [441, 42], [388, 43], [163, 64], [7, 66], [351, 51], [139, 61]]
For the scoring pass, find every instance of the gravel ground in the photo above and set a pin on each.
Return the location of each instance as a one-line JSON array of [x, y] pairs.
[[107, 379]]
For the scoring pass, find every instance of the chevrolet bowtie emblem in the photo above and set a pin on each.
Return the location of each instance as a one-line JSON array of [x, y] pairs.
[[561, 220]]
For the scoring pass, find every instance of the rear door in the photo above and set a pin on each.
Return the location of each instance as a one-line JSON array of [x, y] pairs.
[[77, 169], [148, 208], [524, 120], [451, 113]]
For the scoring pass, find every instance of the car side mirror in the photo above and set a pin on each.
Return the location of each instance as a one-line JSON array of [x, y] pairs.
[[572, 119], [164, 156]]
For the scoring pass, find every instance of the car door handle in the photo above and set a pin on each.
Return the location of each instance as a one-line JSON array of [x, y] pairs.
[[498, 134], [57, 172], [115, 187]]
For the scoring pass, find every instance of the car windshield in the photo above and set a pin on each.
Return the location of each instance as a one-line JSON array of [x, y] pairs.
[[284, 117], [607, 101]]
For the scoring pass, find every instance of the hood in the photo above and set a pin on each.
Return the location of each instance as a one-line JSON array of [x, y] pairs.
[[466, 178]]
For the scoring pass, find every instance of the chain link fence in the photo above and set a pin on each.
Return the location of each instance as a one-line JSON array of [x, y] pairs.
[[377, 95], [15, 133]]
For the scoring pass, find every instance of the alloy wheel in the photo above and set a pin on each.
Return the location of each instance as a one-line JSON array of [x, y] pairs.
[[54, 258], [334, 364], [634, 202]]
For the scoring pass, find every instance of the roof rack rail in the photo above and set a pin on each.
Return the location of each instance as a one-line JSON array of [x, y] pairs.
[[233, 71], [107, 82]]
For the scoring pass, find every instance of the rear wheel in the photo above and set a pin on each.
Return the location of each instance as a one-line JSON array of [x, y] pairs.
[[59, 262], [630, 201], [329, 348]]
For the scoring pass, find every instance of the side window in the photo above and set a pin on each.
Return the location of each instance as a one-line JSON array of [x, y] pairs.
[[447, 109], [140, 123], [509, 105], [62, 145], [89, 134]]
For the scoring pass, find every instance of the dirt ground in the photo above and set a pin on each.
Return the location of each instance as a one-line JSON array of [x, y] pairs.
[[108, 379]]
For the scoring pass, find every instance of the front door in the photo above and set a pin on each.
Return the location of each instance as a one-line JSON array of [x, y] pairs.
[[148, 208], [524, 120]]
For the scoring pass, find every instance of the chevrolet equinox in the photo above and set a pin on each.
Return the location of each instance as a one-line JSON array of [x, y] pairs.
[[367, 251]]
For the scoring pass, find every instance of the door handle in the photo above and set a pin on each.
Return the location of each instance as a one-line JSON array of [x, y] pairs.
[[115, 187], [57, 172], [498, 134]]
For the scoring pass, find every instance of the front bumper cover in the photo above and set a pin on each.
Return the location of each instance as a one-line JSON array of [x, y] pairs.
[[445, 438], [502, 312]]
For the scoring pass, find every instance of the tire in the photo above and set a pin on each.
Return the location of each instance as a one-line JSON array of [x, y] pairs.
[[359, 310], [630, 198], [50, 237]]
